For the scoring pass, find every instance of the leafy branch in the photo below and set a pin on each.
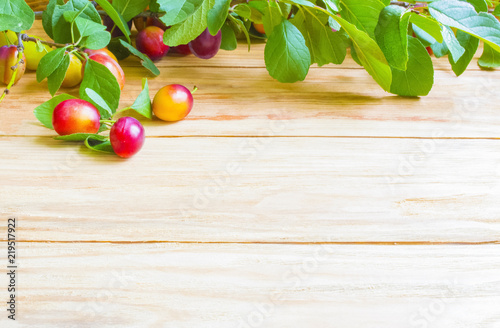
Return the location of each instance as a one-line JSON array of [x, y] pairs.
[[392, 40], [26, 38]]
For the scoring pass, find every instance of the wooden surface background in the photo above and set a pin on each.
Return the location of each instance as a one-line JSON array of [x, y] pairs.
[[326, 203]]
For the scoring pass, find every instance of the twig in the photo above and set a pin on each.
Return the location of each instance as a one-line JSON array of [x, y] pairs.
[[20, 44], [52, 44], [20, 52], [401, 3]]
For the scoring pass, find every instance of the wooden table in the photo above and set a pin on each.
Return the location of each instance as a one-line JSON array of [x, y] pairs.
[[326, 203]]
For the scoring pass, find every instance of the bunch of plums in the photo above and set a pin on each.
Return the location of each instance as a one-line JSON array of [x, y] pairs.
[[149, 41], [171, 103]]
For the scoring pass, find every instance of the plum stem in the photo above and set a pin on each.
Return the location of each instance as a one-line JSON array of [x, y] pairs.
[[77, 54], [108, 121], [7, 38], [194, 89]]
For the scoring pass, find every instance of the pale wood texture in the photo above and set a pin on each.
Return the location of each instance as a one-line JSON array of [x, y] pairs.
[[355, 207], [256, 189], [235, 285]]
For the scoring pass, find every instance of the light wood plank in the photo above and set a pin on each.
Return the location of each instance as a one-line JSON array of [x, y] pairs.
[[171, 285], [255, 189]]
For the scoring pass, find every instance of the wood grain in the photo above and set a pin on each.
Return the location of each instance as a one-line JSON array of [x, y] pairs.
[[255, 190], [355, 207], [171, 285], [37, 5]]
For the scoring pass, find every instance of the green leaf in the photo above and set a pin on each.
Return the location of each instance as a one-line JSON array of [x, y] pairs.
[[324, 45], [391, 35], [130, 8], [418, 78], [240, 26], [260, 6], [463, 16], [368, 54], [10, 22], [427, 24], [98, 78], [97, 99], [44, 112], [190, 28], [470, 44], [103, 128], [490, 57], [354, 56], [364, 14], [496, 12], [455, 48], [245, 11], [423, 36], [118, 49], [142, 104], [271, 17], [56, 78], [19, 9], [70, 16], [85, 27], [217, 16], [333, 6], [296, 2], [97, 143], [440, 49], [334, 24], [47, 16], [40, 47], [97, 40], [229, 41], [118, 19], [81, 137], [145, 61], [479, 5], [285, 8], [286, 54], [93, 34], [177, 11], [49, 63], [60, 30]]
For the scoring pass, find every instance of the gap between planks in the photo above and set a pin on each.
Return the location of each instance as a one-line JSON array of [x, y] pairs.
[[345, 243], [282, 137]]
